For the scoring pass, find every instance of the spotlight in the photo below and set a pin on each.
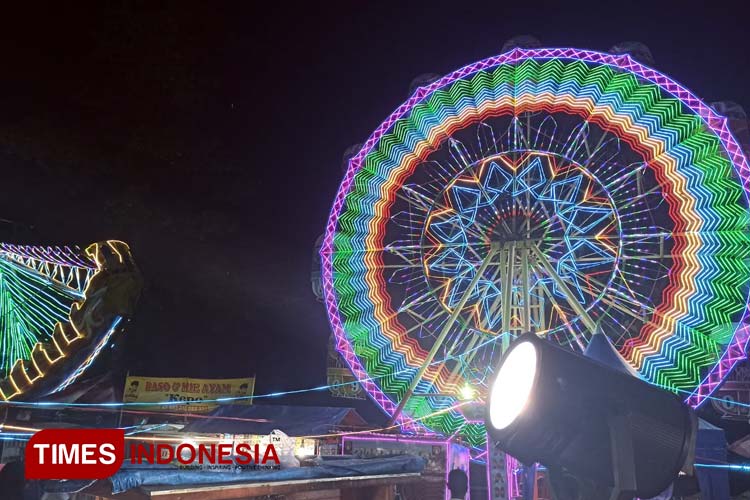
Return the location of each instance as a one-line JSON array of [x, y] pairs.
[[512, 387], [578, 416]]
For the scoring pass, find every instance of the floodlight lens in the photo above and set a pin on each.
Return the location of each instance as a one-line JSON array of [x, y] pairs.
[[512, 387]]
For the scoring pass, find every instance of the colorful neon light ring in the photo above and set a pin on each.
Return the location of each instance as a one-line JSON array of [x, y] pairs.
[[568, 191]]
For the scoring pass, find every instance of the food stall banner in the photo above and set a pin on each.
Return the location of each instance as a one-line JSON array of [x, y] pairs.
[[193, 395]]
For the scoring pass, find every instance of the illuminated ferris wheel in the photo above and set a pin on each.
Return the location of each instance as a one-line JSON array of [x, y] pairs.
[[567, 192]]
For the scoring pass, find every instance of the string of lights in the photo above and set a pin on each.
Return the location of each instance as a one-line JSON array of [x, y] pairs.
[[55, 404], [28, 431], [162, 413], [116, 406], [733, 467]]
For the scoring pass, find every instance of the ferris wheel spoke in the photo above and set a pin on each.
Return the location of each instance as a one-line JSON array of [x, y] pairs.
[[610, 312], [423, 320], [470, 352], [625, 282], [618, 182], [590, 153], [439, 175], [626, 241], [587, 290], [429, 292], [568, 325], [625, 310], [635, 199], [410, 258], [570, 297], [590, 259], [458, 337], [630, 300], [631, 238], [415, 198], [538, 203], [465, 361], [475, 229], [415, 247], [420, 247], [616, 304]]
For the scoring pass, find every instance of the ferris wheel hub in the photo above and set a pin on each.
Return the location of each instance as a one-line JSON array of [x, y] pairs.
[[516, 209]]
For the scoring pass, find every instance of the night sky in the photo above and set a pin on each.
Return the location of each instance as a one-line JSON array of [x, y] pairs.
[[210, 139]]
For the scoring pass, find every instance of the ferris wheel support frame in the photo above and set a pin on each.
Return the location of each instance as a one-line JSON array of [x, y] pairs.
[[525, 250], [443, 334]]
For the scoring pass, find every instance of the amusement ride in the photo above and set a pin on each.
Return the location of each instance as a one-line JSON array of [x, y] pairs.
[[565, 192], [59, 308]]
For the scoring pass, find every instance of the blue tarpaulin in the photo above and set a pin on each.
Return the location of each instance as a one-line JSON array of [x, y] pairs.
[[129, 477], [711, 447]]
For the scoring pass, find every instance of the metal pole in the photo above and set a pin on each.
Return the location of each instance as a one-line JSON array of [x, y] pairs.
[[508, 294], [525, 284], [119, 418]]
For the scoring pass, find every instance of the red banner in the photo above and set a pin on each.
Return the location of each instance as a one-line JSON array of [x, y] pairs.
[[74, 453]]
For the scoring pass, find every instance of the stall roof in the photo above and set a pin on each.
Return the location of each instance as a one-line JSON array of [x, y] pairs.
[[172, 482], [91, 390], [262, 419]]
